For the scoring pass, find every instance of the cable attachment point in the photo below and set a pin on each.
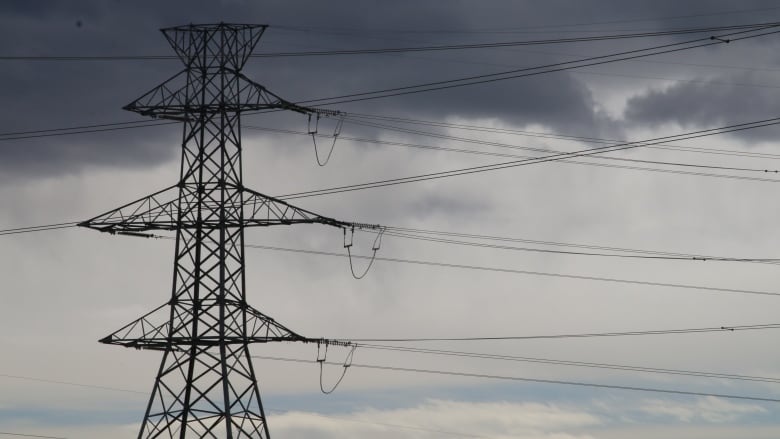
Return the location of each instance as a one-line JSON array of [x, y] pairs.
[[347, 363], [322, 358], [374, 248], [313, 130], [722, 40]]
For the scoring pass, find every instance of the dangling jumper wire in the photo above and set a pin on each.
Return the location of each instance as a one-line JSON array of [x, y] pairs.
[[348, 245], [322, 356], [313, 132]]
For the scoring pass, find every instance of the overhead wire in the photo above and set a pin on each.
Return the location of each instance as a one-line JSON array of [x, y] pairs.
[[530, 161], [142, 124], [547, 151], [525, 133], [25, 135], [85, 385], [341, 98], [678, 331], [523, 272], [529, 380], [40, 228], [97, 128], [578, 55], [556, 362], [501, 270], [391, 232], [589, 152], [479, 79], [538, 70], [672, 32], [462, 61], [464, 374], [8, 433], [62, 225], [21, 135], [494, 238], [68, 383], [385, 424], [524, 28], [432, 235], [447, 47]]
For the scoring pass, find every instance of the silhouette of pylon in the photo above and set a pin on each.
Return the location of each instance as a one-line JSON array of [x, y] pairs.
[[206, 385]]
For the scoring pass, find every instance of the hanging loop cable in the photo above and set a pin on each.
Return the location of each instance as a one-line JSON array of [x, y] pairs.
[[346, 365], [374, 248], [313, 132]]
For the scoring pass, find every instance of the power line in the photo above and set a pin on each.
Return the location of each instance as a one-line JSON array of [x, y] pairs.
[[524, 379], [460, 354], [575, 162], [341, 98], [753, 26], [6, 433], [420, 234], [520, 30], [41, 228], [610, 37], [484, 168], [583, 139], [71, 131], [142, 124], [52, 133], [390, 232], [752, 68], [431, 236], [544, 159], [538, 70], [91, 386], [500, 270], [670, 255], [385, 424], [523, 272], [715, 329], [544, 150], [497, 154], [609, 366], [69, 383]]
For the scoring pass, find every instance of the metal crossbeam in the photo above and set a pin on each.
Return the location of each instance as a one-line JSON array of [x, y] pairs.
[[160, 212]]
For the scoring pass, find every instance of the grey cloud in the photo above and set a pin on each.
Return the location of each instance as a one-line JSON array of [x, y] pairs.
[[716, 102], [41, 95]]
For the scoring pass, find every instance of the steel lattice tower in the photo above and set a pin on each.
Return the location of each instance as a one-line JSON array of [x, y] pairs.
[[206, 385]]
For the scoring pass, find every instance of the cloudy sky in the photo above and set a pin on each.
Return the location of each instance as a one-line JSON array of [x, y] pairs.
[[64, 289]]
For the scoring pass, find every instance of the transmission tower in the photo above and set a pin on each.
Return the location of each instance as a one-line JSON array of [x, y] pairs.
[[206, 385]]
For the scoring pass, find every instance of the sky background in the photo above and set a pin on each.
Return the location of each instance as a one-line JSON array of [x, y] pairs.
[[63, 290]]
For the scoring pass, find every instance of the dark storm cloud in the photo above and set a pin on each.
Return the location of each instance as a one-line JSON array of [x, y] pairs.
[[717, 102], [41, 95]]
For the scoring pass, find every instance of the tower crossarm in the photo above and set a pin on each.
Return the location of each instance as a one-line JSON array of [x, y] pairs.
[[263, 210], [157, 211], [160, 211], [172, 99], [154, 330]]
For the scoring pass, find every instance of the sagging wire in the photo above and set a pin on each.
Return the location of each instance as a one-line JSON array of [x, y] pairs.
[[322, 356], [313, 132], [374, 247]]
